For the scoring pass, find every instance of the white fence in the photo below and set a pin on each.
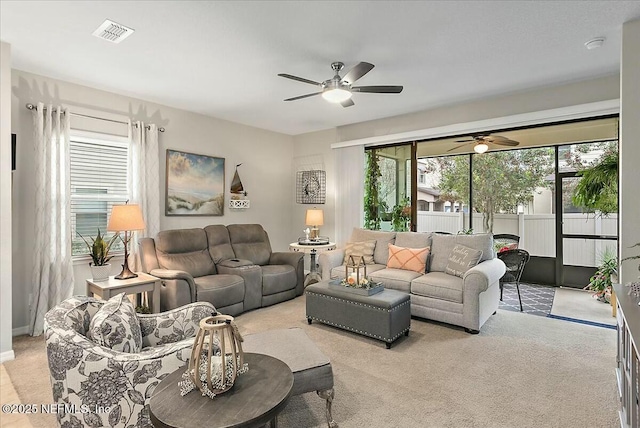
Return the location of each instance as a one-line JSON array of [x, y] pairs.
[[537, 232]]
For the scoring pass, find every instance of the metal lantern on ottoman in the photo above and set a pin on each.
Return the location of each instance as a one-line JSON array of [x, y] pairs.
[[355, 263], [216, 357]]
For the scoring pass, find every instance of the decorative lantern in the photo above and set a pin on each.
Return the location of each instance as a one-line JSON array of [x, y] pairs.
[[216, 357], [354, 263]]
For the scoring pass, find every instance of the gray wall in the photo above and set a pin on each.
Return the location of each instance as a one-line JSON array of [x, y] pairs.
[[630, 150], [266, 159], [6, 352]]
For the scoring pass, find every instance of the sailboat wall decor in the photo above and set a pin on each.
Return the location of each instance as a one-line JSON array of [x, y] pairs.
[[238, 198]]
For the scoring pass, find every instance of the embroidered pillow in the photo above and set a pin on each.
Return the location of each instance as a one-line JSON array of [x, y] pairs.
[[116, 326], [461, 259], [357, 249], [414, 259]]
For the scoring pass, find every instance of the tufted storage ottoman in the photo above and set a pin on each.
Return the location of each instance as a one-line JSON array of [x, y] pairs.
[[385, 316], [311, 368]]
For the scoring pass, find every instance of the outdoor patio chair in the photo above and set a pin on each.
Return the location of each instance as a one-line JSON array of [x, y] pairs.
[[515, 261]]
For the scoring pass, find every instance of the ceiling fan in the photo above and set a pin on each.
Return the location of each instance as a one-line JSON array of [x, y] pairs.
[[482, 142], [339, 89]]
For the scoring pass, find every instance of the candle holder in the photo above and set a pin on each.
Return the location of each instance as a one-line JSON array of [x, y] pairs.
[[355, 263], [216, 357]]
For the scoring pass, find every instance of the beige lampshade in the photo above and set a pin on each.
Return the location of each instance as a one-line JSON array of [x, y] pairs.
[[314, 218], [125, 217]]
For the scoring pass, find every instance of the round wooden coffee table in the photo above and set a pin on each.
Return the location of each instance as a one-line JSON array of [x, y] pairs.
[[256, 398]]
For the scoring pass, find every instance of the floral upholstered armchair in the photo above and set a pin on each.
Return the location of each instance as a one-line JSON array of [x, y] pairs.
[[101, 387]]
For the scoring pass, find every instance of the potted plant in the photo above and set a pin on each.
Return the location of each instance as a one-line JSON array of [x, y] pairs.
[[99, 252], [401, 215], [600, 282]]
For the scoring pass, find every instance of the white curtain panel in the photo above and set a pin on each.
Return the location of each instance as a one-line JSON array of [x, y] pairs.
[[53, 267], [350, 167], [144, 182]]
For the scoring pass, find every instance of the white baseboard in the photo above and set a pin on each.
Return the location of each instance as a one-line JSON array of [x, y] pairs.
[[19, 331], [7, 356]]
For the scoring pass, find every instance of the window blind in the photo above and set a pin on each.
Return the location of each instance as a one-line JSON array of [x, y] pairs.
[[98, 169]]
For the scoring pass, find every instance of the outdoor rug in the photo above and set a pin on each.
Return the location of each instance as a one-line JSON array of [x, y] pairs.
[[536, 299]]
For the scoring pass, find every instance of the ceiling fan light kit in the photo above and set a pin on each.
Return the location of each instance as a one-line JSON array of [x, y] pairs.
[[339, 89], [480, 147], [336, 95]]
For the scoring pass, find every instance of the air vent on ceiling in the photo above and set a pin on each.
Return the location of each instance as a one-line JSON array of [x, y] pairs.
[[113, 32]]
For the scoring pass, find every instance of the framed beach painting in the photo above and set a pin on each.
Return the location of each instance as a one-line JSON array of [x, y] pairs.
[[195, 184]]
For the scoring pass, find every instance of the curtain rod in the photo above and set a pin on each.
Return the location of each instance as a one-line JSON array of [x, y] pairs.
[[32, 107]]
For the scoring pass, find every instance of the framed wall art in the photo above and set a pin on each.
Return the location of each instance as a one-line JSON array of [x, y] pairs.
[[311, 187], [194, 185]]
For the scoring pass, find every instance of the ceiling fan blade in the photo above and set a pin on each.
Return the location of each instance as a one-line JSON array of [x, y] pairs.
[[502, 141], [357, 72], [378, 89], [303, 96], [464, 141], [347, 103], [299, 79], [455, 148]]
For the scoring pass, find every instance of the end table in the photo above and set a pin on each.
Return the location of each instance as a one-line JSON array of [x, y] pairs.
[[110, 287], [313, 276]]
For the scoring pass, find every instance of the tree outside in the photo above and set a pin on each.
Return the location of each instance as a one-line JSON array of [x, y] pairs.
[[501, 180]]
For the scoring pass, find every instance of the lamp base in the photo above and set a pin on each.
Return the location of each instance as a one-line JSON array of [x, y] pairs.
[[126, 273]]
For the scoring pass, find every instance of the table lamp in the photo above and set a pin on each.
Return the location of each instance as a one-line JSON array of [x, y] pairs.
[[314, 218], [126, 218]]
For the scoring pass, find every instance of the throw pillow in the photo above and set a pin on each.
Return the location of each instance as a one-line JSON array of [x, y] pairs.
[[461, 259], [364, 249], [414, 259], [508, 247], [116, 326]]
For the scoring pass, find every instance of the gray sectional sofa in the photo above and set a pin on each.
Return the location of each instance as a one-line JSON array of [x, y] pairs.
[[466, 301], [231, 267]]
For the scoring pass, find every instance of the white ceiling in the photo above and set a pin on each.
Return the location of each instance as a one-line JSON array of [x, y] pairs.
[[222, 58]]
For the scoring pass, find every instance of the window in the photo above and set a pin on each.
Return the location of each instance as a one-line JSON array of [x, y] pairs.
[[98, 181]]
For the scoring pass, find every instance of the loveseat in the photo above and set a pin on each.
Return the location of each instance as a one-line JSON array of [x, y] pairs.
[[231, 267], [440, 289]]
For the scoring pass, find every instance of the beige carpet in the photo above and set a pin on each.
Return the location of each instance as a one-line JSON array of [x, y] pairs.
[[520, 371], [581, 305]]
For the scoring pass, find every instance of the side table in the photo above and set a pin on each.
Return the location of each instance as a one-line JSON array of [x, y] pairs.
[[256, 398], [110, 287], [313, 276]]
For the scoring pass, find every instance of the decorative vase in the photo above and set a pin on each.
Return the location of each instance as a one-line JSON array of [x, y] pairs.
[[101, 273], [216, 357]]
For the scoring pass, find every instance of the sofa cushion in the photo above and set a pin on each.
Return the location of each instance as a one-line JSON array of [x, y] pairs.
[[461, 260], [413, 239], [360, 249], [250, 242], [381, 253], [220, 290], [219, 243], [185, 249], [414, 259], [438, 285], [116, 326], [441, 246], [338, 272], [397, 279], [278, 278]]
